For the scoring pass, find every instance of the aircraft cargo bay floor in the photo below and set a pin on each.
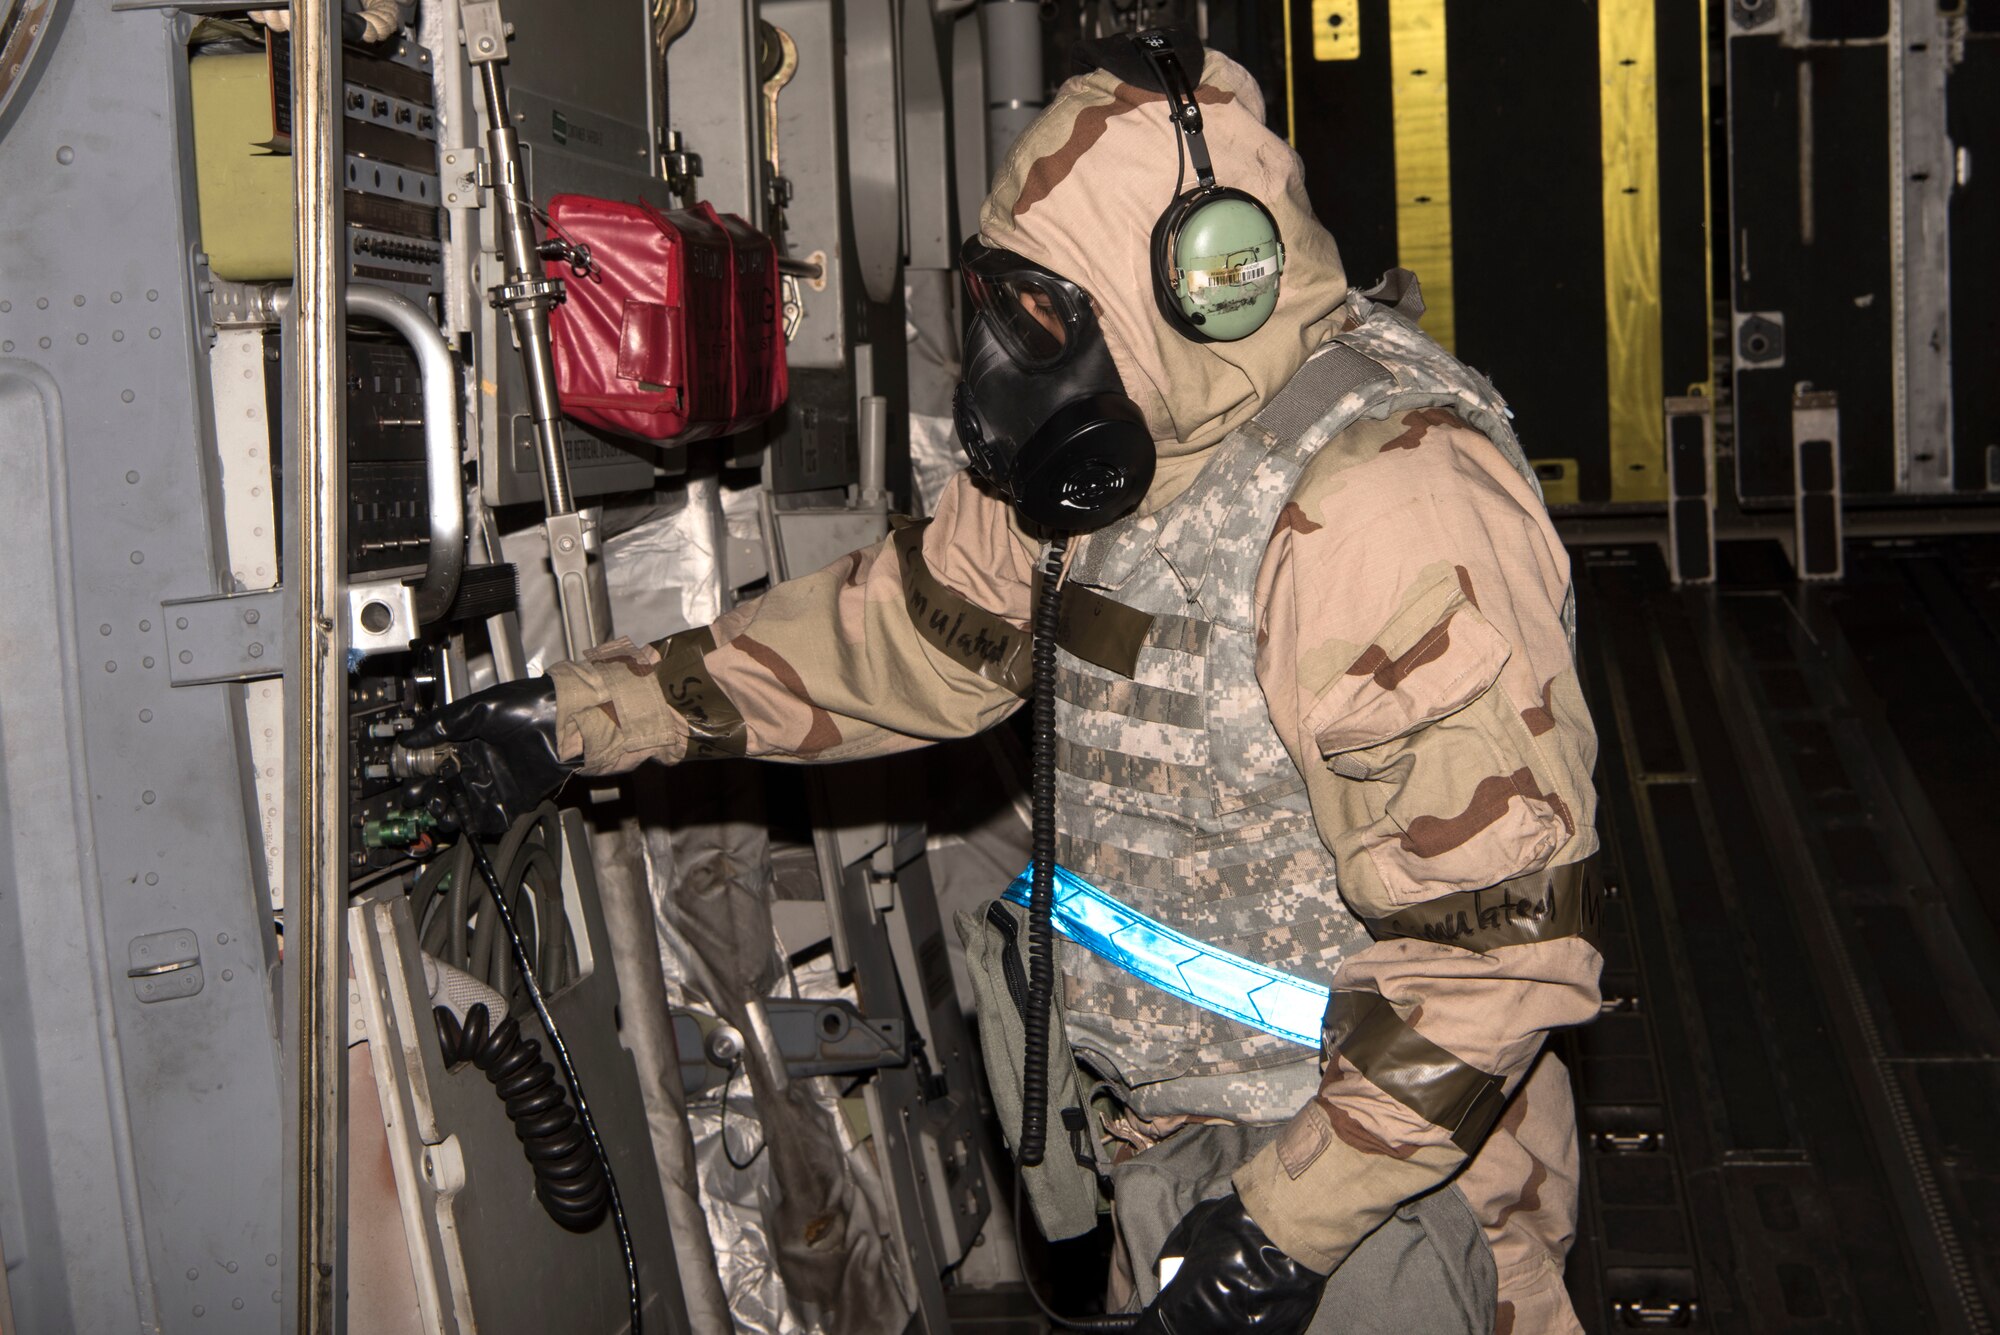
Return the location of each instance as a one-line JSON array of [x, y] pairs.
[[1788, 1109]]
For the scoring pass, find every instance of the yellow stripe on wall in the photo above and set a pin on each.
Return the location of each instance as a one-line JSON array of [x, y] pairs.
[[1423, 157], [1291, 108], [1631, 153]]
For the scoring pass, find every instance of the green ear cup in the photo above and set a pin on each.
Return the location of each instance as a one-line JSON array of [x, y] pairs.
[[1226, 259]]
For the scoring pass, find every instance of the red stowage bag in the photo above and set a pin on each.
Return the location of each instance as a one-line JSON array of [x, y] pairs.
[[673, 334]]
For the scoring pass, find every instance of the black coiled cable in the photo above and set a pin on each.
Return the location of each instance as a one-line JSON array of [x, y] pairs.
[[569, 1181], [1028, 1151], [1041, 895], [539, 1001]]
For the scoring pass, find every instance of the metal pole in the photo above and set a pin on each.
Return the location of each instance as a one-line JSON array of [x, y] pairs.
[[1922, 172], [528, 295], [620, 858], [316, 1037]]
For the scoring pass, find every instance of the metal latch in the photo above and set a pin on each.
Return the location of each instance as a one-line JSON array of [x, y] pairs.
[[465, 176], [680, 166], [165, 965]]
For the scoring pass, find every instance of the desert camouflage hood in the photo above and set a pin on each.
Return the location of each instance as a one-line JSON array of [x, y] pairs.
[[1080, 192]]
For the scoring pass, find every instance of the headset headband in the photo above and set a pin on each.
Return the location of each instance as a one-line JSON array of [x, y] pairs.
[[1216, 251], [1182, 109]]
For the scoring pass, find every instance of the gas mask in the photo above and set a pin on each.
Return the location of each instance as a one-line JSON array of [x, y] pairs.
[[1042, 415]]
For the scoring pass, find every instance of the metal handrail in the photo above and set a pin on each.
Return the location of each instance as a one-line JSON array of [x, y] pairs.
[[445, 565], [446, 562]]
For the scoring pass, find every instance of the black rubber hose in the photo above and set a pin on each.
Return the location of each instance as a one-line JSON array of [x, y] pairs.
[[1041, 896], [569, 1181]]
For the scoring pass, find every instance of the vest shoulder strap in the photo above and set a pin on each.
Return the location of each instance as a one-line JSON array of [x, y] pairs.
[[1324, 383], [1380, 366]]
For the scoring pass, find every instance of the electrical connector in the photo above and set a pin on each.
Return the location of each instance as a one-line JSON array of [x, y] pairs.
[[397, 829]]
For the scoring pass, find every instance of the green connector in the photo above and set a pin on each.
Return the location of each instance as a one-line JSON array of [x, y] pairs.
[[398, 829]]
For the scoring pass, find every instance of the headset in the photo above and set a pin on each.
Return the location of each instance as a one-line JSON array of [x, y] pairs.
[[1216, 251]]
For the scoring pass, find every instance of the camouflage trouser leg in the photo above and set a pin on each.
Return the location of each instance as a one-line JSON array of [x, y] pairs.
[[1522, 1186], [1428, 1270]]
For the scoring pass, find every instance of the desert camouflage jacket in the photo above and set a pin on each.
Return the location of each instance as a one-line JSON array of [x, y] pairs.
[[1440, 758]]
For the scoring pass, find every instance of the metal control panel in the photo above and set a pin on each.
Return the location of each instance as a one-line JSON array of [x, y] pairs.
[[394, 198]]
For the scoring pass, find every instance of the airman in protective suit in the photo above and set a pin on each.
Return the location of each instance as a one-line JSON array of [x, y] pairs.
[[1315, 707]]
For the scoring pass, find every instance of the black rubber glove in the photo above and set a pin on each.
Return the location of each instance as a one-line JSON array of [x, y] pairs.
[[1232, 1279], [505, 737]]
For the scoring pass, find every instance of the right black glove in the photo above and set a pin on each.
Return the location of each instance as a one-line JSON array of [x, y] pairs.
[[1232, 1279], [505, 738]]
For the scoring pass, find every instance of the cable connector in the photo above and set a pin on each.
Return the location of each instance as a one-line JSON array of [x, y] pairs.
[[423, 762]]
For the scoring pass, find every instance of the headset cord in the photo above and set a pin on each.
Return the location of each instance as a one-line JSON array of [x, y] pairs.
[[526, 967], [1032, 1145], [1041, 896], [569, 1181]]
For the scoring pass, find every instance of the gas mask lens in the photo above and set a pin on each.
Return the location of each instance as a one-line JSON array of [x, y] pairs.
[[1033, 313]]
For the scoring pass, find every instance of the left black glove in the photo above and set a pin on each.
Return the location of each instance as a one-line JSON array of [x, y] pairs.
[[505, 737], [1232, 1279]]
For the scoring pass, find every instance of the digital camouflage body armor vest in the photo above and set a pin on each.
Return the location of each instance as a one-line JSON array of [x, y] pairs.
[[1175, 793]]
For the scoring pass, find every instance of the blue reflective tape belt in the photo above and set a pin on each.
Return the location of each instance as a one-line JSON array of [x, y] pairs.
[[1192, 970]]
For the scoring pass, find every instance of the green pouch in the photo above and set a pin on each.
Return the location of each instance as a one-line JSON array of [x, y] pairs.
[[1068, 1189]]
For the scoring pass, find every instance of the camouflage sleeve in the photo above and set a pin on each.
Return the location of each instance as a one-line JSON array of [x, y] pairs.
[[1414, 660], [915, 639]]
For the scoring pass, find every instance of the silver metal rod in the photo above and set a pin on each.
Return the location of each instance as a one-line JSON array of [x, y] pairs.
[[527, 296], [528, 293], [801, 268], [872, 429], [316, 1035], [446, 562]]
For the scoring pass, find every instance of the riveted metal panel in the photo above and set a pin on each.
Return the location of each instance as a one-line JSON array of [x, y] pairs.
[[809, 142], [66, 1166], [182, 1118]]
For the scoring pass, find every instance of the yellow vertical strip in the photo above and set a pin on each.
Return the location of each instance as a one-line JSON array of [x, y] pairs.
[[1291, 112], [1631, 152], [1423, 157]]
